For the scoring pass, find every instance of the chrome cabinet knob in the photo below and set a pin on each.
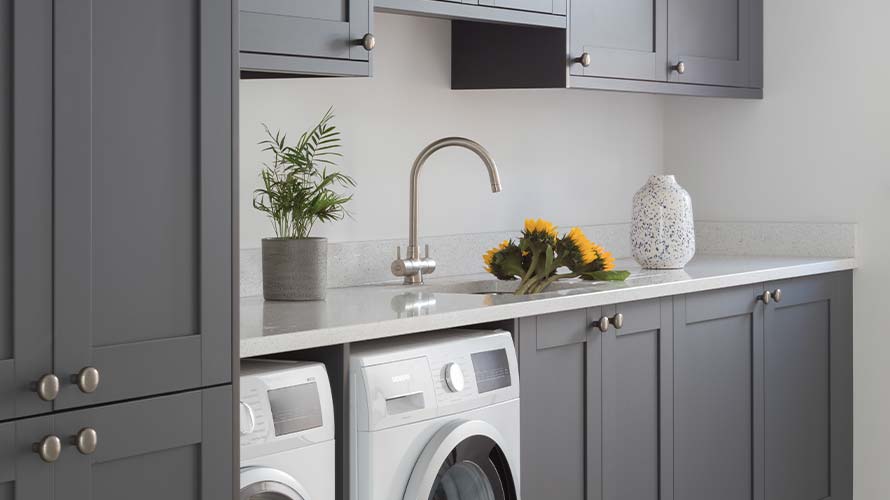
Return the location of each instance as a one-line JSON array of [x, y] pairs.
[[368, 42], [765, 297], [777, 295], [47, 387], [87, 379], [603, 323], [680, 67], [618, 321], [48, 449], [85, 441], [585, 59]]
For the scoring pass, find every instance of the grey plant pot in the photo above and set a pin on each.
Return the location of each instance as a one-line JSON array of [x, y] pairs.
[[295, 269]]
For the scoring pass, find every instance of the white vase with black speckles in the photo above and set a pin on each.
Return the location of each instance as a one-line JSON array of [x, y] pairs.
[[662, 234]]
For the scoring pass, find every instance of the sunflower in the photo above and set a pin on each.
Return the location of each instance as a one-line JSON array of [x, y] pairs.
[[489, 255], [540, 226], [505, 261], [608, 262], [582, 248]]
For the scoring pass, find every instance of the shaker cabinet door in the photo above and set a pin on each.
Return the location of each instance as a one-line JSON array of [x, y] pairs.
[[718, 395], [808, 389], [25, 204], [633, 439], [714, 39], [23, 475], [143, 168], [176, 447], [623, 39]]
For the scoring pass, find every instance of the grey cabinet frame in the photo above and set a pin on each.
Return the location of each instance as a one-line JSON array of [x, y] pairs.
[[137, 369], [26, 339]]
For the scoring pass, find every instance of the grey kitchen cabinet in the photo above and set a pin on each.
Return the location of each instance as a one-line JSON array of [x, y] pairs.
[[808, 373], [26, 208], [172, 447], [718, 42], [550, 13], [142, 255], [619, 39], [718, 395], [610, 387], [544, 6], [305, 37]]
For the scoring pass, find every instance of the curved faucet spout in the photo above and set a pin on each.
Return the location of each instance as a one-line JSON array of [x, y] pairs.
[[413, 268], [481, 152]]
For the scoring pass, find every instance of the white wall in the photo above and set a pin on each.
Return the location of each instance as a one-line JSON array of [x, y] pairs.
[[575, 157], [817, 148]]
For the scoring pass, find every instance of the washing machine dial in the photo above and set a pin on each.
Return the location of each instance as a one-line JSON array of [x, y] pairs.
[[247, 419], [454, 377]]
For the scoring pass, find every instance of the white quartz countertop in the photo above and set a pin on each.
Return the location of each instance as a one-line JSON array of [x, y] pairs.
[[377, 311]]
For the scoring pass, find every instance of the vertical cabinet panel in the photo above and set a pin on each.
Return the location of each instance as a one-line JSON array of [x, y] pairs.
[[718, 394], [23, 476], [142, 228], [803, 354], [635, 366], [166, 447], [624, 38], [25, 203], [552, 359], [713, 39]]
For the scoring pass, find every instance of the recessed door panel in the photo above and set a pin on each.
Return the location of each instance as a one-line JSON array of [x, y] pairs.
[[143, 226], [711, 38]]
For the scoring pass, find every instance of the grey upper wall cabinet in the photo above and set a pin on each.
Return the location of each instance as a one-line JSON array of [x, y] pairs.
[[305, 37], [685, 47], [612, 388], [177, 447], [550, 13], [143, 197], [26, 208]]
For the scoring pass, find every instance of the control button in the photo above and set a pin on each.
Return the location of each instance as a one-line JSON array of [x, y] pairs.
[[454, 377], [247, 419]]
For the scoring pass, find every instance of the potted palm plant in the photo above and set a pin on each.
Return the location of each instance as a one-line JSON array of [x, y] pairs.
[[299, 191]]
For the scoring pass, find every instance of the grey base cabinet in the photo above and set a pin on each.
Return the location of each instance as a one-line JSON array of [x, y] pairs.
[[717, 394], [176, 447], [595, 404]]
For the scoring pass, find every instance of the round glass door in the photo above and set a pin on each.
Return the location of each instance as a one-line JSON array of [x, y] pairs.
[[476, 469], [261, 483]]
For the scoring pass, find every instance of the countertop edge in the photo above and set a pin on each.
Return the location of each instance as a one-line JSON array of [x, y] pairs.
[[308, 339]]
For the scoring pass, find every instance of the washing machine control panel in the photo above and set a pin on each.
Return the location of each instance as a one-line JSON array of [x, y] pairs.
[[440, 377], [284, 405]]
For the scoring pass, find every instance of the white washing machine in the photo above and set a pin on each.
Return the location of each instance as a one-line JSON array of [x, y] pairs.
[[287, 431], [435, 417]]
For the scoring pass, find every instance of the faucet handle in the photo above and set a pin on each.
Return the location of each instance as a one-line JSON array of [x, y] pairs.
[[426, 251], [398, 252]]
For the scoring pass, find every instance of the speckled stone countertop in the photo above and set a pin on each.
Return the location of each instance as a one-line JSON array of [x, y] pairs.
[[376, 311]]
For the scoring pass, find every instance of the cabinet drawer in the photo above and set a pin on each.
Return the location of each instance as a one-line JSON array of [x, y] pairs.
[[276, 34]]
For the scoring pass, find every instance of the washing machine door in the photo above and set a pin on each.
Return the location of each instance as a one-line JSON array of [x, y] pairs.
[[464, 461], [265, 483]]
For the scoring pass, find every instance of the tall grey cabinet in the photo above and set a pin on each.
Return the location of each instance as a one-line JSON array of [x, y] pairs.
[[116, 166]]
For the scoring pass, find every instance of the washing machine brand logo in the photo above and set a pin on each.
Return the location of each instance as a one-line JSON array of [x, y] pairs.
[[405, 377]]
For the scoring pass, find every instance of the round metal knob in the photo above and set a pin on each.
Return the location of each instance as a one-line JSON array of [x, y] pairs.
[[86, 441], [618, 321], [87, 380], [246, 419], [454, 377], [47, 387], [765, 297], [680, 67], [777, 295], [584, 59], [48, 449], [603, 324], [368, 42]]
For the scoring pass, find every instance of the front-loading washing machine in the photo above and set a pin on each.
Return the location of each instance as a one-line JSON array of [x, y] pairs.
[[287, 431], [435, 417]]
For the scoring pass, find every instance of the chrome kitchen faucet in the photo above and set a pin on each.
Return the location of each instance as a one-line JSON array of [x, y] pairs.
[[413, 267]]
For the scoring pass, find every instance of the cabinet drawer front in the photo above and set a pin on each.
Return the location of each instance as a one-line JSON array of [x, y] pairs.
[[328, 10], [275, 34], [565, 328], [143, 260]]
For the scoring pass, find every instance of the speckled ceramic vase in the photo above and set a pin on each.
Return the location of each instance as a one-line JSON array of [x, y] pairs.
[[295, 269], [662, 234]]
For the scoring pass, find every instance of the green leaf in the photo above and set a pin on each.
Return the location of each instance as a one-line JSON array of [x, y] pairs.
[[606, 275]]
